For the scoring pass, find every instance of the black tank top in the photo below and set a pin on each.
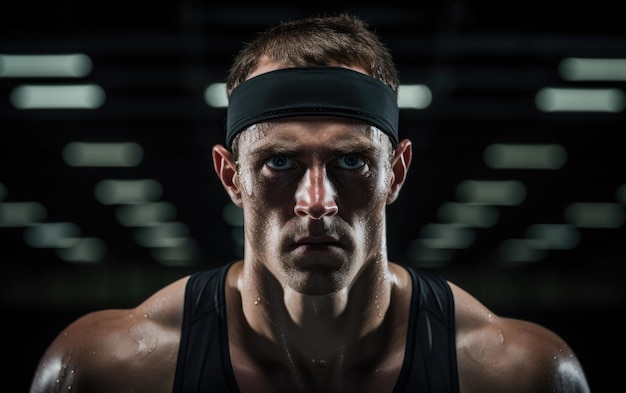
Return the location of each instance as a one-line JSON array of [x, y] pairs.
[[204, 361]]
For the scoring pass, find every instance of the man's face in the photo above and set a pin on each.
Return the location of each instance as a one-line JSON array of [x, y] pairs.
[[314, 192]]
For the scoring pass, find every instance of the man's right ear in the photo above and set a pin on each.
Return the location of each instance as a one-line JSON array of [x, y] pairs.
[[226, 169]]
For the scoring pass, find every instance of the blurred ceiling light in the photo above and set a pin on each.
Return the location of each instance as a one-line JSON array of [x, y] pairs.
[[164, 234], [215, 95], [424, 256], [581, 69], [145, 214], [552, 99], [125, 154], [480, 216], [120, 192], [182, 254], [450, 236], [491, 192], [409, 96], [552, 236], [44, 66], [525, 156], [19, 214], [86, 249], [89, 96], [414, 96], [595, 215], [52, 235]]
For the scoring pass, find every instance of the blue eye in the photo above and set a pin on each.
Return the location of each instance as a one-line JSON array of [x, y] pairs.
[[350, 161], [280, 162]]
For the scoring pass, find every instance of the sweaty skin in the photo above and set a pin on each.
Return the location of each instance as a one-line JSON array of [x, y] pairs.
[[315, 305]]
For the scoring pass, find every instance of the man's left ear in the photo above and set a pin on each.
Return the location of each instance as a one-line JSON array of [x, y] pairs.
[[399, 168]]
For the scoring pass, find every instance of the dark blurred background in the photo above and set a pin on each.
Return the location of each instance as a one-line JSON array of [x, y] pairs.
[[517, 191]]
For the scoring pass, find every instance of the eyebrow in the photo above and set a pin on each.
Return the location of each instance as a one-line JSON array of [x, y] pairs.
[[293, 149], [275, 148]]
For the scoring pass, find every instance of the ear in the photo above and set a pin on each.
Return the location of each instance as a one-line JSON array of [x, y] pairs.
[[399, 167], [226, 170]]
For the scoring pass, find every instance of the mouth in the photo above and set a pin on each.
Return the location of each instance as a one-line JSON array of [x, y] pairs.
[[316, 243], [317, 254]]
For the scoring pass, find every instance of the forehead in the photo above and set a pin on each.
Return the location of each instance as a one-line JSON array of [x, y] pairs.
[[328, 133]]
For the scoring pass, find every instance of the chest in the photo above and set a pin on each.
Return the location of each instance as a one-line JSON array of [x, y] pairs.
[[314, 378]]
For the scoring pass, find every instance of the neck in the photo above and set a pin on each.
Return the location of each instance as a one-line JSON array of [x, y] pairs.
[[336, 319], [324, 341]]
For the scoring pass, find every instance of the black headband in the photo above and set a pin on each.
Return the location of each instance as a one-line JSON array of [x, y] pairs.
[[313, 91]]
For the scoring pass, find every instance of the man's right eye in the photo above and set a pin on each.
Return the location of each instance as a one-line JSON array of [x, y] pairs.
[[280, 162]]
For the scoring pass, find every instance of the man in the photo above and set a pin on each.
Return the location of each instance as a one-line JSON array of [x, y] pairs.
[[313, 158]]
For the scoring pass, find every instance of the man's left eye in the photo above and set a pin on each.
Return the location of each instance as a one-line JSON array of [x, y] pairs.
[[350, 161]]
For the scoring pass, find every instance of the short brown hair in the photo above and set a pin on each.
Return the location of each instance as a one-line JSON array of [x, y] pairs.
[[319, 40]]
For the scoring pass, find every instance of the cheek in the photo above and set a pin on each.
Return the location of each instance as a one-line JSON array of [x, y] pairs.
[[260, 190], [266, 209], [245, 183], [365, 202], [263, 228], [367, 193]]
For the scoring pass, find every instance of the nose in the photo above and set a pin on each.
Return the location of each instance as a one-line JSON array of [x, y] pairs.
[[315, 196]]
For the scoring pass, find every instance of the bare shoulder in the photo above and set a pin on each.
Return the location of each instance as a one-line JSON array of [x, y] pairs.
[[112, 350], [497, 354]]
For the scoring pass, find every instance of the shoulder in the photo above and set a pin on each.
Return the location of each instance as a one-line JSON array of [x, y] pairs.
[[93, 348], [497, 354]]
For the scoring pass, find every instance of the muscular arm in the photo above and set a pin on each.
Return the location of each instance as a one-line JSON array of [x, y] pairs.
[[500, 355], [131, 350]]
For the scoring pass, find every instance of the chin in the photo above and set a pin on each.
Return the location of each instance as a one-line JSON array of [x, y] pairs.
[[318, 279]]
